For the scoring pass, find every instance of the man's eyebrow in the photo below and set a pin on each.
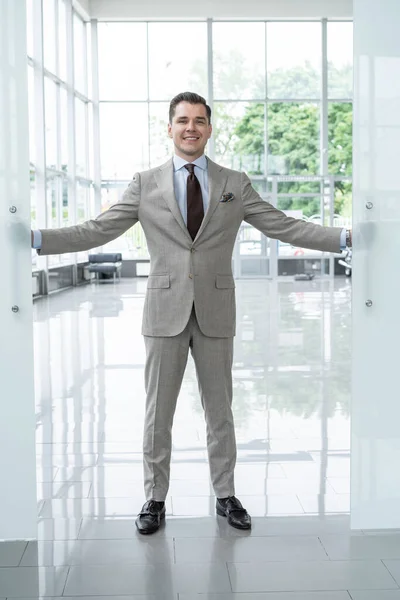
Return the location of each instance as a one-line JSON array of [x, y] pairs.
[[185, 119]]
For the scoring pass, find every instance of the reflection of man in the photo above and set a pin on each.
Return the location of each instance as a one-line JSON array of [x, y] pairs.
[[190, 209]]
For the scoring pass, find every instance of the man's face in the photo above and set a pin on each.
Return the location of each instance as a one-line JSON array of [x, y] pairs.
[[190, 130]]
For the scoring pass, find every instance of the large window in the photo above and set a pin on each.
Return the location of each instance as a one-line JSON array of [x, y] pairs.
[[239, 61], [272, 115], [340, 115], [340, 60], [60, 129], [239, 136], [172, 68], [294, 60], [271, 112], [122, 71], [294, 138], [123, 155]]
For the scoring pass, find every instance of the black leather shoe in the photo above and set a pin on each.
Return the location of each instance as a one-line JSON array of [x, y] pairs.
[[149, 519], [232, 509]]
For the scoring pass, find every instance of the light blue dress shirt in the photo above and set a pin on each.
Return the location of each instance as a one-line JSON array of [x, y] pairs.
[[37, 239], [180, 186], [343, 239]]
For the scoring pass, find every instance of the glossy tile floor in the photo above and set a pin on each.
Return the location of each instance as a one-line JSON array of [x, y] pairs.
[[292, 389]]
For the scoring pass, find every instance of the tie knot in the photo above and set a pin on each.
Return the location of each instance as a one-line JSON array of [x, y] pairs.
[[190, 168]]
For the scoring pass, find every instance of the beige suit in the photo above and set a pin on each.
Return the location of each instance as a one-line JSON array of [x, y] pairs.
[[190, 300]]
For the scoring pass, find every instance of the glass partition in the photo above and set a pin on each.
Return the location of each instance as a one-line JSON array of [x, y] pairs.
[[18, 505]]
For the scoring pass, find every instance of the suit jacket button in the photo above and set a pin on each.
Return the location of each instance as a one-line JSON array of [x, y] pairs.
[[192, 250], [190, 276]]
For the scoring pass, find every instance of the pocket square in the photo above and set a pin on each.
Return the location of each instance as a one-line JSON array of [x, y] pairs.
[[227, 197]]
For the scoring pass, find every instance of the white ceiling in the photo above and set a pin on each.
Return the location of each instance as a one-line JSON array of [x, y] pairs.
[[115, 10]]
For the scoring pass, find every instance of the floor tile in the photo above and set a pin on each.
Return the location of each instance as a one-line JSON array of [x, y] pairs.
[[95, 507], [171, 527], [337, 466], [340, 485], [294, 486], [46, 473], [180, 487], [73, 489], [100, 474], [380, 531], [61, 448], [67, 460], [394, 568], [61, 434], [328, 503], [135, 597], [270, 596], [250, 549], [259, 471], [256, 505], [260, 486], [256, 487], [375, 595], [58, 529], [40, 505], [309, 576], [293, 525], [134, 579], [112, 448], [105, 460], [30, 581], [190, 471], [348, 547], [139, 550], [11, 553], [107, 529], [118, 489]]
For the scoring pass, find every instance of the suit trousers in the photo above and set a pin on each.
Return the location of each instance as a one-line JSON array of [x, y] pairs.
[[166, 359]]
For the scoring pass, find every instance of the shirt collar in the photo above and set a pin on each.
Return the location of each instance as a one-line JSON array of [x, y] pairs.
[[181, 162]]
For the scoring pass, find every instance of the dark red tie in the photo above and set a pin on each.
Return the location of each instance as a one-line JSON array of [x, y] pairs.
[[195, 209]]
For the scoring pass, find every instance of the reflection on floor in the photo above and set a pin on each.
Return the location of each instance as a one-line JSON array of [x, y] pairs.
[[292, 390]]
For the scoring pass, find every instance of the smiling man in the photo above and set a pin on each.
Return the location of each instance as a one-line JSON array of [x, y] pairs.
[[190, 209]]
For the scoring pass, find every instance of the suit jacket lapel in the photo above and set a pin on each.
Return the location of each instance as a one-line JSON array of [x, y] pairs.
[[216, 184], [165, 181]]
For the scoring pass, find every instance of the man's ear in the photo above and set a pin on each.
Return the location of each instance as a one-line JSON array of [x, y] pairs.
[[169, 130]]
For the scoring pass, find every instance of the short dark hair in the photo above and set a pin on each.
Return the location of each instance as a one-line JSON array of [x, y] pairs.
[[190, 97]]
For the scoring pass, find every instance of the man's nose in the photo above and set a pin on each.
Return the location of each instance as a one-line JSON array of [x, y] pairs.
[[191, 126]]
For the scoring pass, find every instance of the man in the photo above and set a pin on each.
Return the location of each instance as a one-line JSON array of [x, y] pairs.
[[191, 210]]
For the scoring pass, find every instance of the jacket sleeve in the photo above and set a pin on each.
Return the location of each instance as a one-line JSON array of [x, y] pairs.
[[275, 224], [96, 232]]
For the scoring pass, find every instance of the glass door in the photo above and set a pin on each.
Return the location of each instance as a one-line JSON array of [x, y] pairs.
[[18, 509]]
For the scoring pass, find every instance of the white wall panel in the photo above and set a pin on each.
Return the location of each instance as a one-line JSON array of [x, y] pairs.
[[375, 473]]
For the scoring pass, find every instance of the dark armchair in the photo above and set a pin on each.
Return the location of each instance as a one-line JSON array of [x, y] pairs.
[[105, 266]]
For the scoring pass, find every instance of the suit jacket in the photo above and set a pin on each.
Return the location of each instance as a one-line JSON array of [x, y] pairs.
[[183, 271]]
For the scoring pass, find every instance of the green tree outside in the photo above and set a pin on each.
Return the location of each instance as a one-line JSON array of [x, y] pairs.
[[293, 134]]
